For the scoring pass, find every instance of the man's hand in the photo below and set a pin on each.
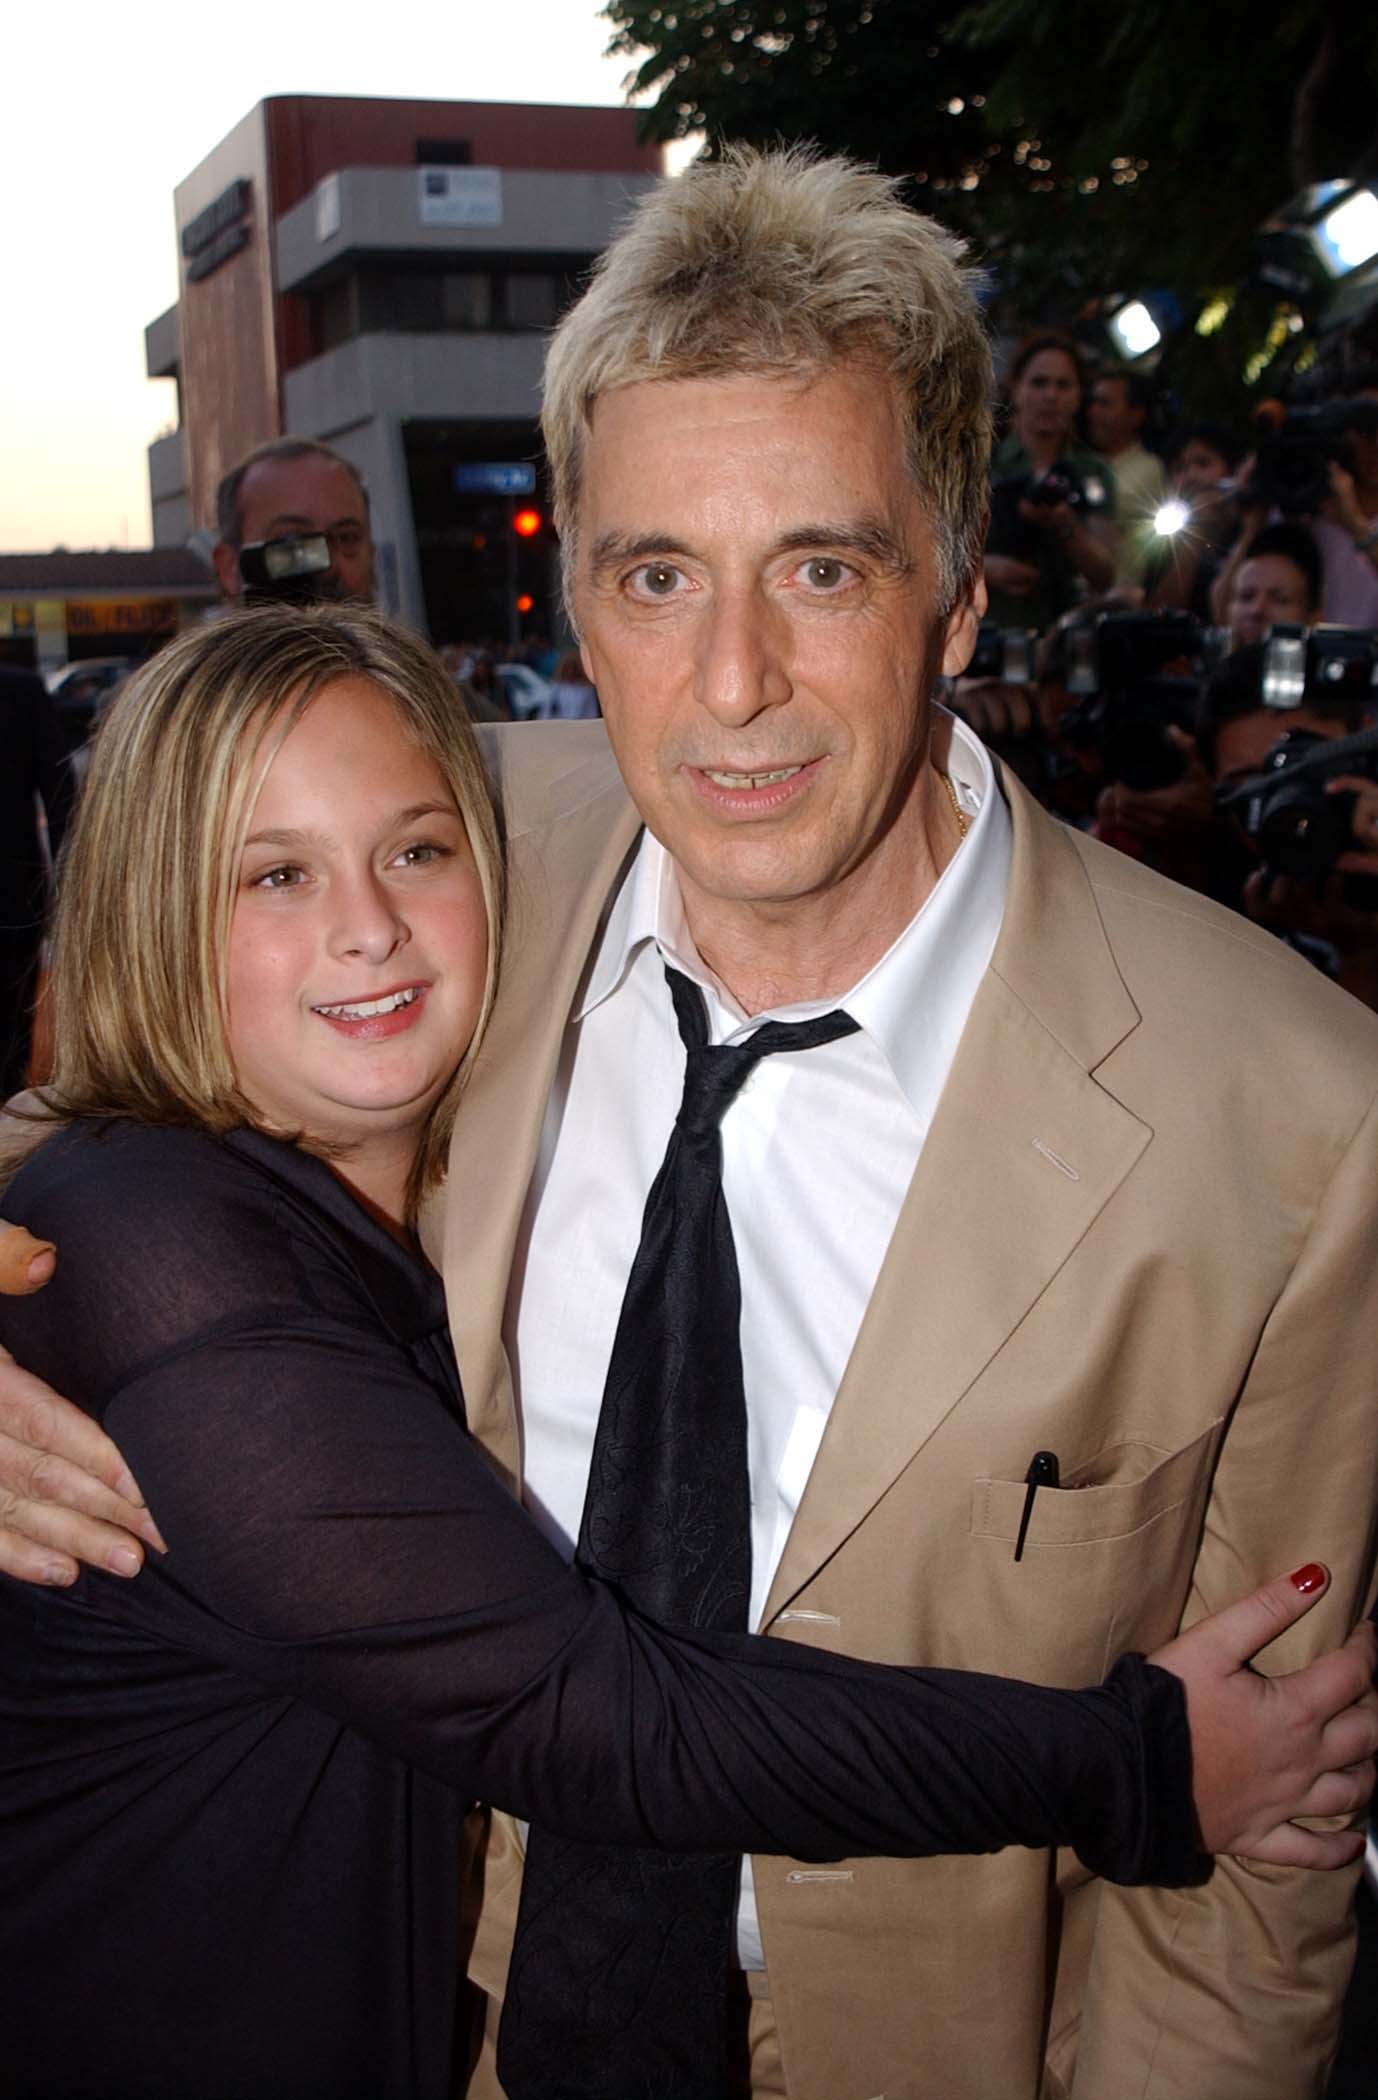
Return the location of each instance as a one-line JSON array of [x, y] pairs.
[[66, 1495], [1266, 1750], [1187, 808], [1363, 860], [1015, 578]]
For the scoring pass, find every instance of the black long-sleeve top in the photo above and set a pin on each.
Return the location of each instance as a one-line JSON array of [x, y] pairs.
[[231, 1791]]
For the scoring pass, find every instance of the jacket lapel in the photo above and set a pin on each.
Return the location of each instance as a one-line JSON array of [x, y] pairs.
[[1025, 1149], [563, 870]]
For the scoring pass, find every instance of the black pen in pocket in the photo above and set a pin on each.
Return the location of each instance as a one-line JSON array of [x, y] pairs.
[[1042, 1473]]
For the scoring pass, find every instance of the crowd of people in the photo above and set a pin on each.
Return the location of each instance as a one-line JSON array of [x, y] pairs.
[[1141, 591], [688, 1283]]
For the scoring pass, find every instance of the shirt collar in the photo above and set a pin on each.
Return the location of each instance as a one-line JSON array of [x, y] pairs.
[[926, 980]]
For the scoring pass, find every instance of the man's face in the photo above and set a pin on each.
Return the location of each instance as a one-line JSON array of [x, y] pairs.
[[1046, 396], [280, 496], [1111, 419], [757, 594], [1267, 589], [1200, 467]]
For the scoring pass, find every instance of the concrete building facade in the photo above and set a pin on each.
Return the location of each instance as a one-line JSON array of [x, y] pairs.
[[382, 276]]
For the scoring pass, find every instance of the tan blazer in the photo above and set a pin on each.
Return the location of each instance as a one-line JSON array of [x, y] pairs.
[[1143, 1235]]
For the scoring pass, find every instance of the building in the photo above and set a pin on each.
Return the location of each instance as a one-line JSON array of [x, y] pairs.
[[382, 276], [66, 607]]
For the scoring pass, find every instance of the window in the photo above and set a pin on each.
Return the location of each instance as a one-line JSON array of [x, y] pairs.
[[466, 299]]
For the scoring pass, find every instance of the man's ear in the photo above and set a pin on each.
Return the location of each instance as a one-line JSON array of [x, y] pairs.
[[959, 638], [226, 559]]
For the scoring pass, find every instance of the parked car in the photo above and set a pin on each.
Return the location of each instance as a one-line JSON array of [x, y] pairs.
[[81, 691]]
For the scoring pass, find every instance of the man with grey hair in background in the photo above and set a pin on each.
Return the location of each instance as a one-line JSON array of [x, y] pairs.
[[296, 488], [1053, 1335]]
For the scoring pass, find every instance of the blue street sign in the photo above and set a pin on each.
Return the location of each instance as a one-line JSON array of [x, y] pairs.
[[495, 477]]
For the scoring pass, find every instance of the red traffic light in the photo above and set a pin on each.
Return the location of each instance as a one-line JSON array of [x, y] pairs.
[[528, 523], [526, 603]]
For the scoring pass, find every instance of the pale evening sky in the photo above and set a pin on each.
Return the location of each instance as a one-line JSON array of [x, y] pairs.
[[106, 109]]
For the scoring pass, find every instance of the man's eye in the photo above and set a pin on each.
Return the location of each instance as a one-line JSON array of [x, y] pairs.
[[824, 572], [656, 579]]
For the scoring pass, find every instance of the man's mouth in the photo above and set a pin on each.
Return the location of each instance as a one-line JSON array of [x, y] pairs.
[[372, 1009], [751, 780]]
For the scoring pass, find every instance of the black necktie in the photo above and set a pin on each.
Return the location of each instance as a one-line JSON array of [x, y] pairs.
[[618, 1983]]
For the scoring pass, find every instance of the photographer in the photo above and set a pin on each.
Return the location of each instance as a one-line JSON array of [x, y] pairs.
[[1187, 560], [1116, 417], [294, 490], [1118, 695], [1306, 470], [1052, 531], [1307, 875], [1279, 578], [1354, 480]]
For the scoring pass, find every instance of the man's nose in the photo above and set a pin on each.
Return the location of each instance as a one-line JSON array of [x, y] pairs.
[[367, 921], [742, 656]]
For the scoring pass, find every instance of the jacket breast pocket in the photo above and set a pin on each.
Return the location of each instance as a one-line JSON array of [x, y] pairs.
[[1107, 1556]]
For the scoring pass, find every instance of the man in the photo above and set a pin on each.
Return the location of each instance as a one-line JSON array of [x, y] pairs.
[[1326, 917], [291, 486], [1035, 1213], [1186, 563], [1279, 579], [34, 770], [1354, 485], [1115, 419]]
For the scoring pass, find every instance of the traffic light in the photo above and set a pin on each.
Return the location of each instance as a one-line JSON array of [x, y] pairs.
[[527, 523]]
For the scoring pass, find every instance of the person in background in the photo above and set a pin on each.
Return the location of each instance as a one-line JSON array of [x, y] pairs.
[[1116, 416], [572, 697], [1279, 578], [294, 486], [35, 802], [1042, 556], [1188, 559], [1354, 484]]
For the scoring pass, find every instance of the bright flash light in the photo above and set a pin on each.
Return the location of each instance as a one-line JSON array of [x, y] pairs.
[[1171, 518], [1135, 329], [1348, 236]]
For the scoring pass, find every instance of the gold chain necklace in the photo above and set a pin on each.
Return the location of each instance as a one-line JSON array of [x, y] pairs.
[[963, 820]]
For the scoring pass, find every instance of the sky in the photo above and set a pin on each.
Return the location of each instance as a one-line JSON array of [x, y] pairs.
[[107, 109]]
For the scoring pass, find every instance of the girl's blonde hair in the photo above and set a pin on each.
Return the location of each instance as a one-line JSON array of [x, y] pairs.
[[149, 878]]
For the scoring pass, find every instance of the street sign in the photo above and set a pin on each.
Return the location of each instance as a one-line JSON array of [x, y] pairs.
[[495, 477]]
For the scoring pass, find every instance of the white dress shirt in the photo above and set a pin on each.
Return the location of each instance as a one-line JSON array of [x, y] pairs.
[[819, 1148]]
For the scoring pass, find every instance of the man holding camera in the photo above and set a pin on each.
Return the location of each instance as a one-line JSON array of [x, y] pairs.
[[1116, 416], [293, 520]]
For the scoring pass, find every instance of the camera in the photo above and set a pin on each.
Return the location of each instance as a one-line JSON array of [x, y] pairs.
[[1010, 532], [1005, 653], [1296, 449], [1283, 809], [286, 571], [1134, 674]]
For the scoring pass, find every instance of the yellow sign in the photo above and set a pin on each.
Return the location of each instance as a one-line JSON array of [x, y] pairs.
[[121, 615]]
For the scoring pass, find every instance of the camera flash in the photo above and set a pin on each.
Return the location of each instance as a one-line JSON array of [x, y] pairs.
[[1170, 518]]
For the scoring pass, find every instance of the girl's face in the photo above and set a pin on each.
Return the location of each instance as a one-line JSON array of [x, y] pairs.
[[1046, 395], [358, 941]]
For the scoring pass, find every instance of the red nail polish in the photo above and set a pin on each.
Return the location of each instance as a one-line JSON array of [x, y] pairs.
[[1309, 1578]]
